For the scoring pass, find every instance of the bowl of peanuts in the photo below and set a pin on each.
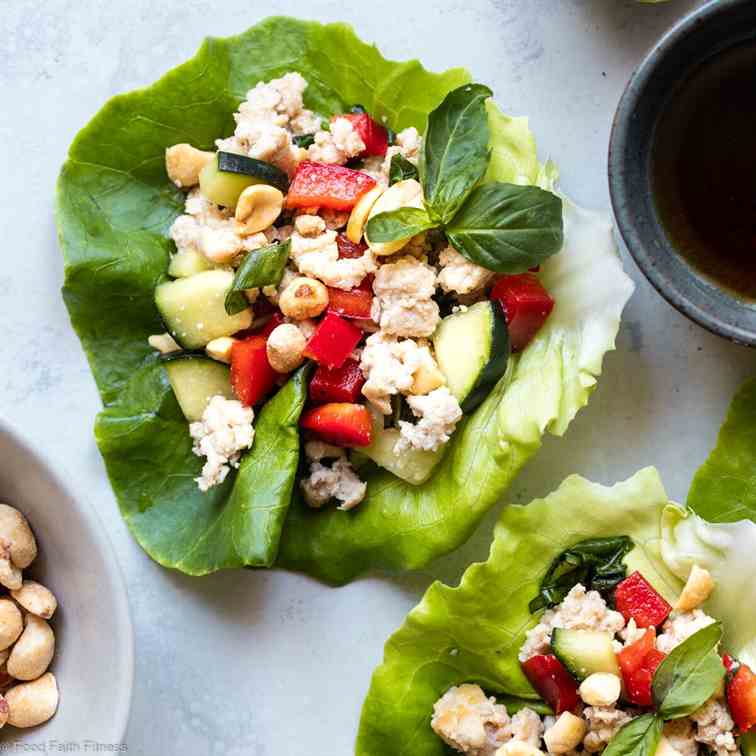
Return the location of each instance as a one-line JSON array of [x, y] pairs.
[[66, 642]]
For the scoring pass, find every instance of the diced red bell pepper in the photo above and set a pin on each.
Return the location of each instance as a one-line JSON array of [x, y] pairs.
[[638, 663], [355, 303], [333, 341], [348, 249], [331, 186], [252, 377], [552, 681], [741, 698], [371, 132], [526, 305], [342, 384], [636, 599], [340, 423]]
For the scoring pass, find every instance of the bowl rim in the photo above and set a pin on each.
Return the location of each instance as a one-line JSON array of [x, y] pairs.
[[114, 576], [644, 253]]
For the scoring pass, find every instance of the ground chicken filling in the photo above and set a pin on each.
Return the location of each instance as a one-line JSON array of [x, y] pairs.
[[473, 723], [394, 290]]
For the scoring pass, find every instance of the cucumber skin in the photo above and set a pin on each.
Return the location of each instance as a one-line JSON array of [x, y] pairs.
[[495, 367], [258, 169]]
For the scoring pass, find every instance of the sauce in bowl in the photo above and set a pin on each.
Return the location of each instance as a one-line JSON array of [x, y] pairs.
[[703, 170]]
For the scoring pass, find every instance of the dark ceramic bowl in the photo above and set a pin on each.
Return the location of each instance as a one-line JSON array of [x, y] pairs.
[[715, 27]]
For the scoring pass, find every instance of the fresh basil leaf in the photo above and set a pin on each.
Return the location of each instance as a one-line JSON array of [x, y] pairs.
[[508, 228], [637, 738], [398, 224], [596, 563], [455, 149], [304, 140], [261, 267], [400, 169], [390, 135], [690, 675]]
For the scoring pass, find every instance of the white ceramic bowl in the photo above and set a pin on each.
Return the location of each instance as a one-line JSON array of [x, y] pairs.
[[94, 657]]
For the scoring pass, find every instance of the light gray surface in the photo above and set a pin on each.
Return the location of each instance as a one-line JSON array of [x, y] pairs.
[[272, 663]]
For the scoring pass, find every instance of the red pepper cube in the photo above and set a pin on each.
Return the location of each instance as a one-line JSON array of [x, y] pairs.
[[340, 423], [252, 377], [371, 132], [348, 249], [333, 341], [552, 681], [325, 185], [741, 698], [636, 599], [526, 305], [342, 384], [355, 303], [638, 663]]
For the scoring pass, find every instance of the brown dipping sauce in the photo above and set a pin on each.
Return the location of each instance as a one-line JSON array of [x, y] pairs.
[[704, 170]]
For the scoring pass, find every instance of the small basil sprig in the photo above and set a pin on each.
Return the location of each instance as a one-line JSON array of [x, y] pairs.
[[400, 169], [261, 267], [596, 563], [690, 675], [399, 224], [640, 737], [455, 149], [505, 228]]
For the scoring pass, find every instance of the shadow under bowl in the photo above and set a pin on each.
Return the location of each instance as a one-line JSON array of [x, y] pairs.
[[697, 38], [94, 658]]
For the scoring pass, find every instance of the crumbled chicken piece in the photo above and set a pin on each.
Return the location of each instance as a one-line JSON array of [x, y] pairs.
[[309, 225], [679, 627], [339, 481], [438, 414], [527, 727], [566, 734], [338, 145], [317, 450], [460, 276], [403, 301], [580, 610], [390, 366], [318, 256], [604, 722], [267, 119], [679, 734], [211, 231], [468, 721], [408, 142], [335, 219], [714, 728], [631, 633], [224, 432]]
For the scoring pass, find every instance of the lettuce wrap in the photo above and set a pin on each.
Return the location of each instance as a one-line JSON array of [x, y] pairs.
[[472, 633], [114, 207]]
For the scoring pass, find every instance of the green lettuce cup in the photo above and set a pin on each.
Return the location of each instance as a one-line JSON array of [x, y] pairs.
[[473, 633], [114, 208]]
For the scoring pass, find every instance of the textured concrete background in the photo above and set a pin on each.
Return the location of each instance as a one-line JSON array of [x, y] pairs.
[[272, 663]]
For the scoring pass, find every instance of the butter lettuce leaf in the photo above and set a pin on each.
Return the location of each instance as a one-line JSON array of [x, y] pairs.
[[114, 208], [724, 488], [473, 632]]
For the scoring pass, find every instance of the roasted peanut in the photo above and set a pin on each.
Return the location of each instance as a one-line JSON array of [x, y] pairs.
[[33, 652], [183, 164], [32, 703], [11, 623], [258, 206], [37, 599], [303, 298], [285, 348]]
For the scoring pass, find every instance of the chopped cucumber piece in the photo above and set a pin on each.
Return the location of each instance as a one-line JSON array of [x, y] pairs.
[[195, 380], [230, 162], [223, 187], [472, 349], [194, 311], [414, 465], [188, 262], [584, 652]]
